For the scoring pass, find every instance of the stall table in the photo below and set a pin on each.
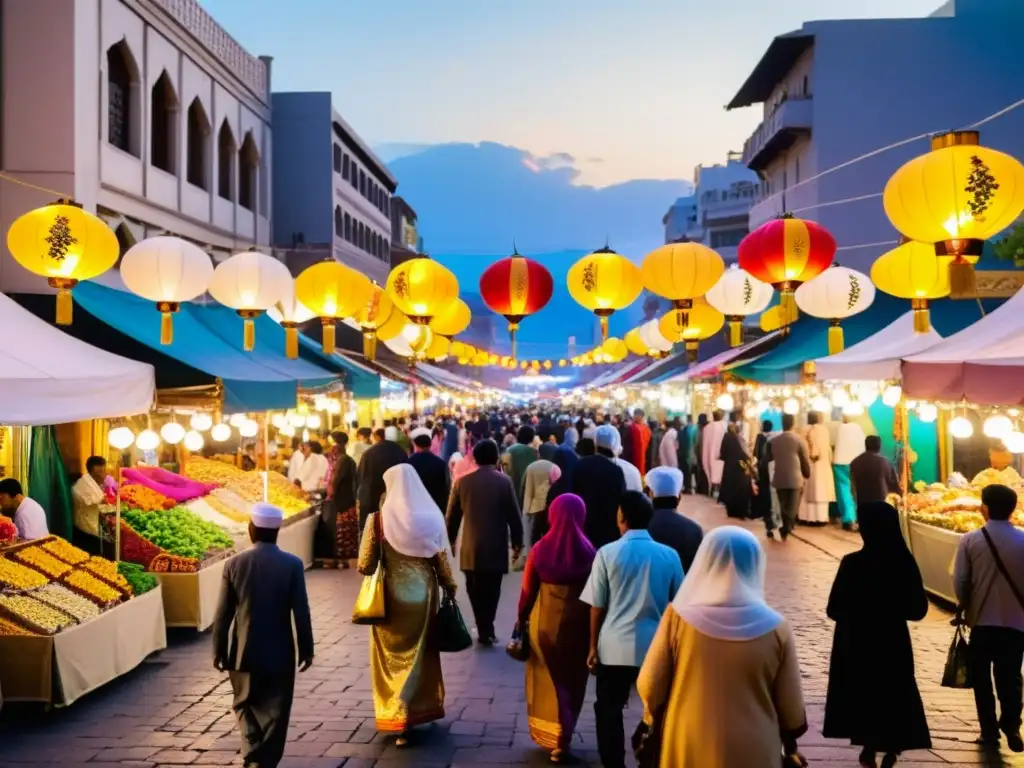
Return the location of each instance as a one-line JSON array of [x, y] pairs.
[[296, 535], [190, 599], [934, 550]]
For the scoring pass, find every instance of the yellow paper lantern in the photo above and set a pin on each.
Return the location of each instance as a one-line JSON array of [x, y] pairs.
[[393, 326], [422, 288], [604, 282], [736, 295], [548, 365], [614, 350], [681, 272], [562, 363], [250, 283], [704, 322], [480, 359], [452, 319], [290, 313], [418, 338], [912, 271], [438, 347], [834, 295], [65, 244], [461, 349], [333, 292], [956, 197], [372, 315], [635, 344]]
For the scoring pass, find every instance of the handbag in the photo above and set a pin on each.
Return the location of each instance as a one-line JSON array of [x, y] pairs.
[[957, 672], [646, 742], [450, 633], [371, 605], [518, 647]]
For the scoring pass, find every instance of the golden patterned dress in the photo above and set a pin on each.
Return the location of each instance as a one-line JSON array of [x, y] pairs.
[[408, 688]]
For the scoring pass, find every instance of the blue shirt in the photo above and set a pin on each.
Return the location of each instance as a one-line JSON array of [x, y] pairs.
[[633, 579]]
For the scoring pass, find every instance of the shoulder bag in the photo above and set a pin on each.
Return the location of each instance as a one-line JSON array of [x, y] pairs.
[[450, 633], [1002, 568], [371, 606]]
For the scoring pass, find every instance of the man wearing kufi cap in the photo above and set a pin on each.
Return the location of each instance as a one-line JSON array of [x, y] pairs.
[[668, 525], [262, 591]]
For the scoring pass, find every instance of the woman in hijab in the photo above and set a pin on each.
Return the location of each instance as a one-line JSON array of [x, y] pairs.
[[737, 475], [405, 667], [873, 698], [558, 626], [721, 677]]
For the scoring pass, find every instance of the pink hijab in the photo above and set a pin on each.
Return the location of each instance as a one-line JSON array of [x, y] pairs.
[[461, 467], [564, 555]]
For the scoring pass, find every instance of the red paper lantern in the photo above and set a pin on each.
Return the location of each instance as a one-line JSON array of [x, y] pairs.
[[516, 287], [787, 252]]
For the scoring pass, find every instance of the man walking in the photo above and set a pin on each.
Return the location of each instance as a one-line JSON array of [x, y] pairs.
[[687, 441], [872, 476], [988, 576], [630, 585], [600, 482], [262, 591], [432, 469], [668, 525], [377, 460], [519, 457], [792, 468]]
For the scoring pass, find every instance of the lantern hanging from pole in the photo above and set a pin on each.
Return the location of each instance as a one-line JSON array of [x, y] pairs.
[[955, 197], [515, 288], [912, 271], [834, 295], [334, 292], [290, 313], [681, 272], [422, 288], [452, 319], [250, 283], [604, 282], [65, 244], [785, 253], [374, 313], [736, 295], [704, 322], [168, 271]]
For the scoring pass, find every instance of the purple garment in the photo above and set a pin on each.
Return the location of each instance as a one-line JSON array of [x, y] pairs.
[[564, 555]]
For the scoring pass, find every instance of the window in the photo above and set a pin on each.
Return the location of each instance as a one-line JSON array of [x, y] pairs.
[[337, 158], [729, 238], [796, 171], [226, 162], [264, 182], [125, 240], [387, 206], [785, 179], [344, 167], [380, 247], [348, 227], [362, 182], [354, 176], [360, 236], [373, 244], [339, 221], [163, 125], [198, 142], [248, 163], [122, 98], [387, 249]]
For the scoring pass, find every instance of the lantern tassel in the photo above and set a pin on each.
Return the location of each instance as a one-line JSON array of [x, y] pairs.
[[328, 335], [512, 328], [790, 313], [370, 345], [692, 351], [166, 328], [64, 306], [604, 328], [922, 321], [291, 340], [248, 334], [963, 282], [835, 338], [735, 331]]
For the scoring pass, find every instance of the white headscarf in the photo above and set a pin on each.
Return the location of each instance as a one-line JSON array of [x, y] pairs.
[[455, 459], [412, 523], [723, 593]]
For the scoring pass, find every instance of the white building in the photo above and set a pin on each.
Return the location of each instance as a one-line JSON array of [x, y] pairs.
[[145, 111], [834, 91], [680, 220]]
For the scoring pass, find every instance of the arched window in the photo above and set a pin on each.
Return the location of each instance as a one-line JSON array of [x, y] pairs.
[[373, 244], [380, 246], [248, 163], [122, 99], [339, 222], [387, 248], [348, 227], [360, 236], [163, 125], [226, 162], [197, 171], [337, 158]]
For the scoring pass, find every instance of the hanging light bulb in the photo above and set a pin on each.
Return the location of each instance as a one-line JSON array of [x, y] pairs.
[[121, 438], [287, 430], [1014, 442], [313, 422], [997, 426], [172, 432], [334, 407], [237, 420], [320, 403], [791, 406], [840, 397], [296, 419], [278, 420], [866, 396], [961, 428], [249, 428], [892, 394], [200, 422], [821, 404], [853, 408], [725, 402], [927, 412], [220, 432], [194, 441], [305, 435], [147, 440]]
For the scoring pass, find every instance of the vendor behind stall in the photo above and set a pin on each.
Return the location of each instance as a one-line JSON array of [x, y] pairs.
[[88, 493], [29, 518]]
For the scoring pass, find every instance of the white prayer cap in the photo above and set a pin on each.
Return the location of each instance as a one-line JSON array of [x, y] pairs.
[[606, 436], [265, 515], [420, 431], [664, 482], [391, 433]]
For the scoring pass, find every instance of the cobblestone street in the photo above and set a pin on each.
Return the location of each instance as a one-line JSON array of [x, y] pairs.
[[174, 710]]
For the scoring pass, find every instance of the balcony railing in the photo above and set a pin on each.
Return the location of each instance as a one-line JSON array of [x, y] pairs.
[[790, 118]]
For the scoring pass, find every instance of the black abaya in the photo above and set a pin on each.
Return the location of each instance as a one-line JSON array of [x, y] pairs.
[[736, 490]]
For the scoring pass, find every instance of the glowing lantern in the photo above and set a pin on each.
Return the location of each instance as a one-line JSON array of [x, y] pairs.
[[785, 253], [912, 271], [515, 288], [834, 295], [704, 322], [200, 422], [961, 428], [997, 426], [412, 342], [148, 440], [194, 441], [956, 197], [635, 344], [604, 282], [438, 348], [1014, 442], [452, 319], [167, 271], [121, 438], [220, 432], [651, 335], [65, 244], [682, 272], [332, 292], [250, 283], [290, 313], [172, 433], [614, 350], [927, 412], [374, 313], [892, 395], [736, 295], [422, 288]]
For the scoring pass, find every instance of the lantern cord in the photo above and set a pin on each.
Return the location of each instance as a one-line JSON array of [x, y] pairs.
[[30, 185]]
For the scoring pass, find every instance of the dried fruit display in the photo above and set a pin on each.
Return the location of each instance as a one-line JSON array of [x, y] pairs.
[[136, 576], [16, 576], [219, 501], [43, 561], [67, 601], [210, 472], [34, 615], [110, 572], [10, 629], [66, 551], [8, 530], [179, 532], [168, 563], [137, 496], [89, 586]]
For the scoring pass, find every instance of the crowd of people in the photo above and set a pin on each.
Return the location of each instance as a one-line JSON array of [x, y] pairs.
[[619, 583]]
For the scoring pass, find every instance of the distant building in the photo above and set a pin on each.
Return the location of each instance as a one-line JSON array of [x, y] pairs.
[[405, 239], [681, 219], [333, 195], [834, 91]]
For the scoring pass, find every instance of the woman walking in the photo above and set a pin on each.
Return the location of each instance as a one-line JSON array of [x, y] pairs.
[[737, 475], [342, 497], [721, 679], [405, 667], [873, 698], [558, 626]]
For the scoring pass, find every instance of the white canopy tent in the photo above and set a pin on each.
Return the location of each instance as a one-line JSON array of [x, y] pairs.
[[49, 377], [877, 358]]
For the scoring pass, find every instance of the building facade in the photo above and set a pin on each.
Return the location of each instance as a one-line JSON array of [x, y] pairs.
[[680, 221], [333, 195], [146, 112], [406, 241], [835, 92]]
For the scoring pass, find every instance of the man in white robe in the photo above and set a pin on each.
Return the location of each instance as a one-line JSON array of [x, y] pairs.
[[711, 450], [820, 490]]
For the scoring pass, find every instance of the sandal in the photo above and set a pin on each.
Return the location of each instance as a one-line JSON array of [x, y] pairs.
[[401, 740], [889, 760], [557, 756]]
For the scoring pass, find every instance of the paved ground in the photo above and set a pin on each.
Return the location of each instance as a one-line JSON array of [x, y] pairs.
[[174, 710]]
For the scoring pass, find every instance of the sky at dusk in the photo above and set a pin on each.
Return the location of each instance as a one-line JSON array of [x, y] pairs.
[[625, 89]]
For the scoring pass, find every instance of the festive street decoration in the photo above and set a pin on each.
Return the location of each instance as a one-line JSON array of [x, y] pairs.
[[291, 313], [912, 271], [250, 283], [168, 271], [736, 295], [635, 343], [515, 288], [956, 197], [614, 350], [774, 319], [65, 244], [654, 339], [704, 322], [834, 295], [452, 319], [333, 292], [422, 288], [604, 282], [681, 272], [376, 311]]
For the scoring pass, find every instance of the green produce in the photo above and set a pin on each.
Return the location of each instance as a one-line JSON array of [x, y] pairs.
[[179, 531], [136, 576]]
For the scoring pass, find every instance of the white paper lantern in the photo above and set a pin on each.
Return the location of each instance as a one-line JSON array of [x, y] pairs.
[[1014, 442], [892, 394], [249, 428], [251, 283], [821, 404], [927, 412], [314, 421], [237, 419], [172, 432], [200, 422], [836, 294], [121, 438], [736, 295], [867, 395], [791, 406], [840, 397], [997, 427], [287, 430], [296, 419], [194, 441], [651, 335], [961, 427], [725, 402], [220, 432], [168, 271], [148, 440], [279, 420], [334, 407], [751, 411]]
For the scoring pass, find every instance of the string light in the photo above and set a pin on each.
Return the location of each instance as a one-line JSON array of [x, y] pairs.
[[961, 428], [927, 412]]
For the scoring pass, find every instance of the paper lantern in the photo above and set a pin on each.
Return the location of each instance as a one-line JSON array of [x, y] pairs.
[[515, 288], [148, 440], [681, 272], [200, 422], [912, 271], [1014, 442], [725, 402], [834, 295], [480, 359], [65, 244], [961, 428], [422, 288], [651, 335], [168, 271], [172, 433], [220, 433], [997, 426], [604, 282], [928, 412], [704, 322], [249, 428], [194, 441], [954, 198], [786, 252], [121, 438], [290, 313], [374, 313], [614, 350], [250, 283], [332, 292], [892, 395], [452, 319], [438, 347], [736, 295], [774, 318], [635, 344]]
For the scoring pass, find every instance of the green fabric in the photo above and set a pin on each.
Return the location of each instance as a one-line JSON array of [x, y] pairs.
[[48, 482], [844, 493]]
